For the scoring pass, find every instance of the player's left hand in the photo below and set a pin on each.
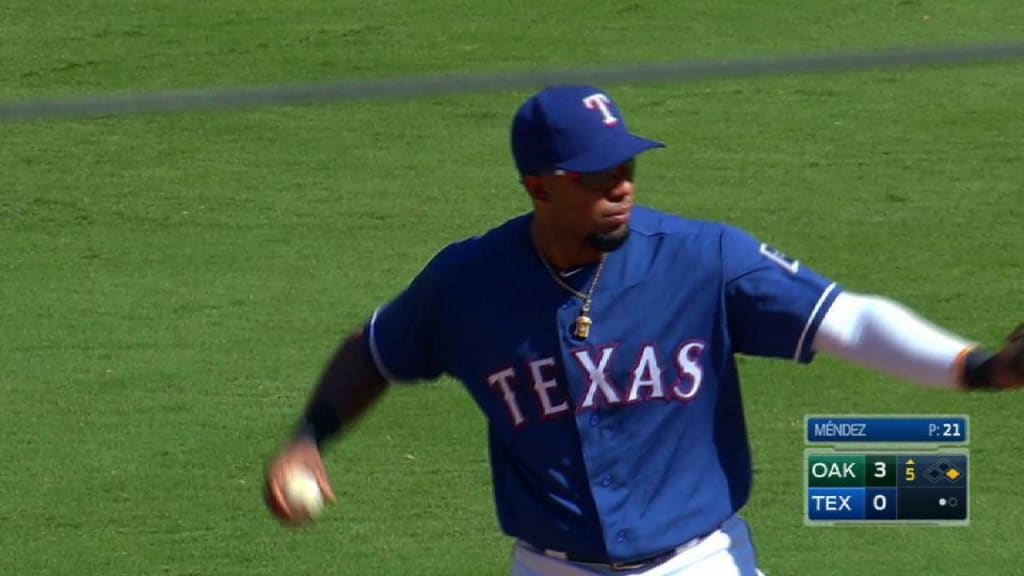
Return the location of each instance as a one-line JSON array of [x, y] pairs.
[[1008, 371]]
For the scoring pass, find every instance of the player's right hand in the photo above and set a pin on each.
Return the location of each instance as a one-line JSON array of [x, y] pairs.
[[299, 452]]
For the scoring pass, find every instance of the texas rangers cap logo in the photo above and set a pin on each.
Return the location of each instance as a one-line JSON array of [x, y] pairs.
[[601, 102]]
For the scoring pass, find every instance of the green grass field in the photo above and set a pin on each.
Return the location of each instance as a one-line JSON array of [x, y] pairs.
[[171, 285]]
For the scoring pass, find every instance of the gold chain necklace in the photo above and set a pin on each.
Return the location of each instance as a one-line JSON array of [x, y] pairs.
[[583, 321]]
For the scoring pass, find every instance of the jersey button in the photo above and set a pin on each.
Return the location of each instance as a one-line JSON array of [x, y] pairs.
[[620, 536], [594, 419], [606, 480]]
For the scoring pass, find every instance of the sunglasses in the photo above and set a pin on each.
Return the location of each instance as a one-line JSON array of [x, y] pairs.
[[604, 180]]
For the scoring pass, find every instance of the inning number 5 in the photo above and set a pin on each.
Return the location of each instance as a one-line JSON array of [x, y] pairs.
[[879, 469]]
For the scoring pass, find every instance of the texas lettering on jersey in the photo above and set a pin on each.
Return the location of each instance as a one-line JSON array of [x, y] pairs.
[[647, 381]]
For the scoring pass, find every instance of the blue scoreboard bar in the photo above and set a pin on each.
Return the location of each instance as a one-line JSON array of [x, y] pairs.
[[889, 429]]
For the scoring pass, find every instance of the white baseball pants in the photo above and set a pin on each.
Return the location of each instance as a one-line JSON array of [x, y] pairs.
[[727, 551]]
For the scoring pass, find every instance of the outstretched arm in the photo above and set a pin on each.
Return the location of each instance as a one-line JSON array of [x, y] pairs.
[[348, 387], [881, 334]]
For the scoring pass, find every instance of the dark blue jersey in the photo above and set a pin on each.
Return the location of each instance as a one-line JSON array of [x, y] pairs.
[[631, 441]]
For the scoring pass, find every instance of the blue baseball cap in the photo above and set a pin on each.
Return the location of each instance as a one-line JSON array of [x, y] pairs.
[[572, 128]]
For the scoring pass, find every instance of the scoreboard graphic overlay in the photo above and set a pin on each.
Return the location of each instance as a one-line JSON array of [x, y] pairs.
[[886, 470]]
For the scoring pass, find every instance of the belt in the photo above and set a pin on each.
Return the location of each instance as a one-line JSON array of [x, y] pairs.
[[617, 566]]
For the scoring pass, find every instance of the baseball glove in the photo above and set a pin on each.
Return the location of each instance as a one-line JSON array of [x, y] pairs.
[[1008, 371]]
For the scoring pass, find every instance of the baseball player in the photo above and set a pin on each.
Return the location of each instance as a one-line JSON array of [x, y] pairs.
[[598, 337]]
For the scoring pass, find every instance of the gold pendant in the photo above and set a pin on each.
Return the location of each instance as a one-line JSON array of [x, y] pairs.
[[583, 326]]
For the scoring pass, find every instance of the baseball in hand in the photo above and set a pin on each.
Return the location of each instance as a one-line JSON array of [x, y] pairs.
[[302, 492]]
